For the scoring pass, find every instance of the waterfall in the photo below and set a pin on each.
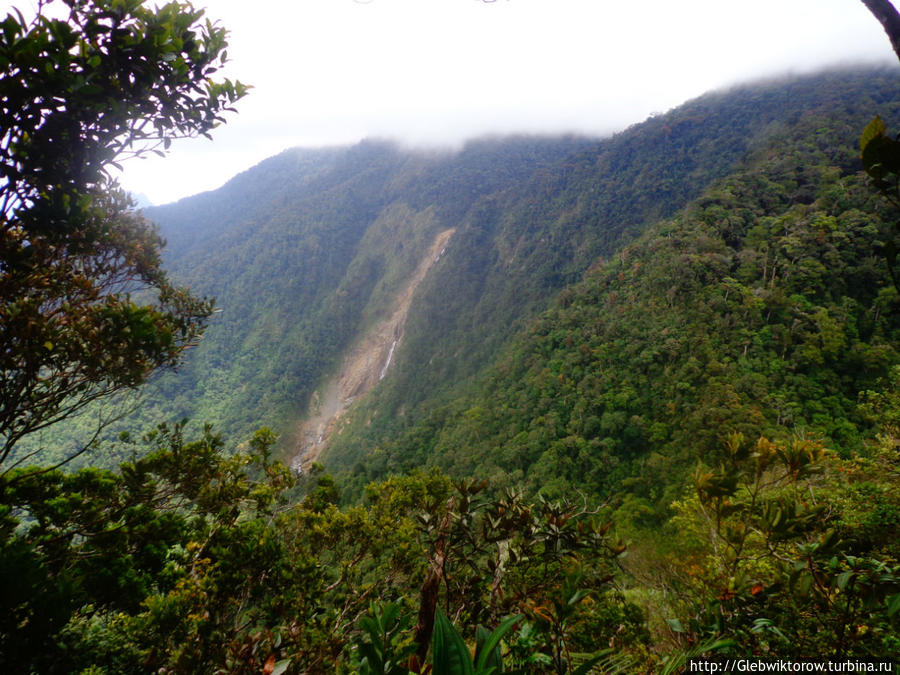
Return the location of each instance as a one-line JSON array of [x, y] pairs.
[[388, 362]]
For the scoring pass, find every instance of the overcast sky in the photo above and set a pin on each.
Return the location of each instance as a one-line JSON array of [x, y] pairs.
[[441, 71]]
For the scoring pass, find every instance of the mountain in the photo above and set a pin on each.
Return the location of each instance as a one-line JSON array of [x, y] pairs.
[[311, 249], [762, 308], [630, 401], [341, 268]]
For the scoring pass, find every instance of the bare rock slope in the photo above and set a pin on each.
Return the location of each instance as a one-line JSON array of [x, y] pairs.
[[365, 364]]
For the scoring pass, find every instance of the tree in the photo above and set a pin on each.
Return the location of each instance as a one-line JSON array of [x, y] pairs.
[[85, 308], [779, 553]]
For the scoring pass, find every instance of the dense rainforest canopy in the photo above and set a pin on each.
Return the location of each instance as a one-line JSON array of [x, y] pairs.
[[309, 249]]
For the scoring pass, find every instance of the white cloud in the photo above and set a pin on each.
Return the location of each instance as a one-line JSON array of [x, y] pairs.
[[327, 71]]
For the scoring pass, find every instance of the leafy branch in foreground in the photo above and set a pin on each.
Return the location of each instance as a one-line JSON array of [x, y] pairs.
[[776, 557], [111, 80]]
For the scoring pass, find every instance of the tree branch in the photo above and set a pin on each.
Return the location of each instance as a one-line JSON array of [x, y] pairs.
[[889, 18]]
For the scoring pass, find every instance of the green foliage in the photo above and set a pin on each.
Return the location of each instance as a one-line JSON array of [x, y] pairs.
[[110, 80], [762, 309], [194, 561], [487, 645], [452, 656], [775, 560], [96, 557], [380, 643]]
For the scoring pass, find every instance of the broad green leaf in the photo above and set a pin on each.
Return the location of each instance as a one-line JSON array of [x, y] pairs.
[[873, 129], [449, 653], [489, 647], [493, 660], [893, 604], [281, 666], [843, 578]]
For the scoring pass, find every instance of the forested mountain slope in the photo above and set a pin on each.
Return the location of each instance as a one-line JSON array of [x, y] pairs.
[[307, 249], [313, 256], [782, 175], [763, 308], [641, 404]]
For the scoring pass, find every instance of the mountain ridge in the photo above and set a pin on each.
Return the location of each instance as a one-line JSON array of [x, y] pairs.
[[305, 251], [511, 367]]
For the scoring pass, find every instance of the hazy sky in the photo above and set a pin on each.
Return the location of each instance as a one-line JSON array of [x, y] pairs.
[[439, 71]]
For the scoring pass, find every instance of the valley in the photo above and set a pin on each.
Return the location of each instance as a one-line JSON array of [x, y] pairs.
[[303, 252], [620, 402]]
